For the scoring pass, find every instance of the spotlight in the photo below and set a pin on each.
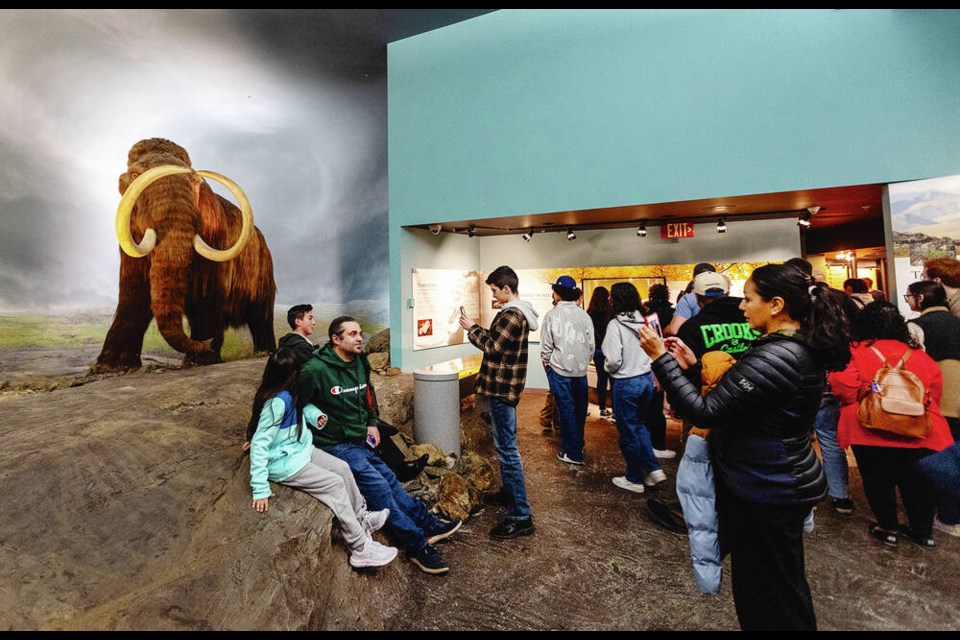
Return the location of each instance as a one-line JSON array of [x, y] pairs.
[[642, 230], [813, 210], [722, 225], [529, 234], [804, 221], [570, 234], [435, 229], [471, 231]]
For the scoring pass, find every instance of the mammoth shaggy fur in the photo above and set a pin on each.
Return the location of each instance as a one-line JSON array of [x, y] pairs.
[[174, 281]]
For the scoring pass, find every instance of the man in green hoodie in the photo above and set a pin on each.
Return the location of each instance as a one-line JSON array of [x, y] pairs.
[[335, 380]]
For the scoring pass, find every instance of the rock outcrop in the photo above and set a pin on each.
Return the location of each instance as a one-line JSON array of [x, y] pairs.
[[126, 505]]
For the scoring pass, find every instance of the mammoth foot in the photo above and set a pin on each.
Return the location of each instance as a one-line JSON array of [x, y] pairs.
[[201, 359], [108, 364]]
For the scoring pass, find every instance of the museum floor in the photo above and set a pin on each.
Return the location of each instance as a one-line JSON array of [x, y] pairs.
[[597, 562]]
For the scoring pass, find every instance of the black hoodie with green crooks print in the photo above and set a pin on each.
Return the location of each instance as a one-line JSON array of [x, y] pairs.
[[341, 391]]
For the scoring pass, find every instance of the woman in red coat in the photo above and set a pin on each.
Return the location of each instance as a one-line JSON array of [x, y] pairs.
[[888, 461]]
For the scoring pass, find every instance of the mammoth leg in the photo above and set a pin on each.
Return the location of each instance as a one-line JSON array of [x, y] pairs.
[[206, 321], [260, 320], [124, 341]]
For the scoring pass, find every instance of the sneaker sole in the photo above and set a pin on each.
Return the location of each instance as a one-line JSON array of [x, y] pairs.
[[443, 536], [523, 532], [578, 463], [634, 489], [362, 564], [430, 570]]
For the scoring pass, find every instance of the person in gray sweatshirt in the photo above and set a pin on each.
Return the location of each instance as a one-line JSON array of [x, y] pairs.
[[566, 346], [633, 386]]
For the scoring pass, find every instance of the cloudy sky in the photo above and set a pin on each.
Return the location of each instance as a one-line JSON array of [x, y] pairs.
[[282, 106]]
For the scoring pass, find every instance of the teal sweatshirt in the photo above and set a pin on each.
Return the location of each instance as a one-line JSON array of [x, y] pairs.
[[340, 390], [275, 451]]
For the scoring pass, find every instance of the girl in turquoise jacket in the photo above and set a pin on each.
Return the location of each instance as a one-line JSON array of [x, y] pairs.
[[282, 450]]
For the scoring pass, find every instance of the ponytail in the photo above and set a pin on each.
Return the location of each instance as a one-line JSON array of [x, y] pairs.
[[819, 309]]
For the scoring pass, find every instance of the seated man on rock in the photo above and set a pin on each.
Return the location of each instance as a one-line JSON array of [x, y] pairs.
[[335, 380], [301, 321]]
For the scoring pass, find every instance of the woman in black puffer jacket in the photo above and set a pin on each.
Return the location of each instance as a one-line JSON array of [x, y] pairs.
[[760, 418]]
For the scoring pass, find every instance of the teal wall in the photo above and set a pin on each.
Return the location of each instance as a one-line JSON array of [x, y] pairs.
[[529, 111]]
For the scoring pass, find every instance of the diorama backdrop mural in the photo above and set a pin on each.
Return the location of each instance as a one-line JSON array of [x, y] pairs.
[[925, 217], [301, 128]]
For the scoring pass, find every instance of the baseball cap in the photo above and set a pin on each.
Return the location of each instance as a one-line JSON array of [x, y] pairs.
[[701, 267], [565, 282], [711, 285]]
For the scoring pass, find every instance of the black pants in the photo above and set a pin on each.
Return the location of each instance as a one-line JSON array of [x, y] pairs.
[[657, 422], [883, 470], [765, 543]]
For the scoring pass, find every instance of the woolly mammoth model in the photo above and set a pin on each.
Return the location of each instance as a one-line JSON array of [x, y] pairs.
[[185, 251]]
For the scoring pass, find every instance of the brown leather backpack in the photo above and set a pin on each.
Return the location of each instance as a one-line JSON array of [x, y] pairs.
[[896, 402]]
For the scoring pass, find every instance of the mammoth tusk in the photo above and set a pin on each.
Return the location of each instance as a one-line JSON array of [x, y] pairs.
[[149, 240], [125, 208], [246, 230]]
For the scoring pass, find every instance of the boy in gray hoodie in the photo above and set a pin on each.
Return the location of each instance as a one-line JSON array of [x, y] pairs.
[[502, 376], [566, 346]]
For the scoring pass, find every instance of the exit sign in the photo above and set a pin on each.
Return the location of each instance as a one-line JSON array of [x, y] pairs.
[[671, 230]]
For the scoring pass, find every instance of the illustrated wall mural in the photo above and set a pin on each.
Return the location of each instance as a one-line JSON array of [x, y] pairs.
[[271, 103]]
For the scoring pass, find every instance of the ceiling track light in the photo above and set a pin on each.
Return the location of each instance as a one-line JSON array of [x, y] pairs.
[[471, 231], [529, 234], [571, 236], [722, 225], [813, 210], [642, 230], [804, 221]]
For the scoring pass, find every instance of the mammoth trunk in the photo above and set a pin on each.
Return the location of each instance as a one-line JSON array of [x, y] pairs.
[[168, 285]]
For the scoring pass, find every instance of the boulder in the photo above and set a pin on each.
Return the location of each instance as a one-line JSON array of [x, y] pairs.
[[380, 343], [379, 361]]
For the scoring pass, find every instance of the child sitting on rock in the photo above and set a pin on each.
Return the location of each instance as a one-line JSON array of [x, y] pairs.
[[282, 450]]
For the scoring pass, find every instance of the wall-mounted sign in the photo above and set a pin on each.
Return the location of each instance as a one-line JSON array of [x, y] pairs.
[[672, 230]]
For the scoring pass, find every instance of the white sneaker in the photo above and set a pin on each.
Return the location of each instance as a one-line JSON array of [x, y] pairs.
[[949, 529], [373, 554], [373, 521], [623, 483], [654, 478], [664, 453]]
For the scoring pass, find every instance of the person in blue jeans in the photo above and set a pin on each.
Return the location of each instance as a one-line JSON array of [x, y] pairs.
[[633, 387], [502, 376], [599, 312], [834, 458], [335, 380], [566, 346]]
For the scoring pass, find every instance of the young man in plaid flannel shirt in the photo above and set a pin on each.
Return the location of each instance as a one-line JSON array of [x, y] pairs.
[[501, 379]]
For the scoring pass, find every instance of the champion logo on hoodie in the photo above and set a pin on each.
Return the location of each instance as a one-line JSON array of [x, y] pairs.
[[337, 390]]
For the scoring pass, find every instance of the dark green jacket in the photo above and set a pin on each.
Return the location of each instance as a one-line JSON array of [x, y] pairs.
[[342, 391]]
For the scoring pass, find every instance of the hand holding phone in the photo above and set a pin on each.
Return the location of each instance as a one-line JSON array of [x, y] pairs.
[[463, 312]]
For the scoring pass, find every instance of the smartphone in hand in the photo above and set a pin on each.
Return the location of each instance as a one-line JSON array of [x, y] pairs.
[[463, 312]]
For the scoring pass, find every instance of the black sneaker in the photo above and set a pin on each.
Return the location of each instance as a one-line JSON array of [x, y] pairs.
[[429, 560], [667, 515], [443, 530], [843, 506], [922, 541], [512, 529]]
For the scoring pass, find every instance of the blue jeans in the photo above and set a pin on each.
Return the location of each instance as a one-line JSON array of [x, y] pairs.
[[602, 379], [834, 458], [948, 507], [570, 396], [631, 400], [503, 420], [409, 518]]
